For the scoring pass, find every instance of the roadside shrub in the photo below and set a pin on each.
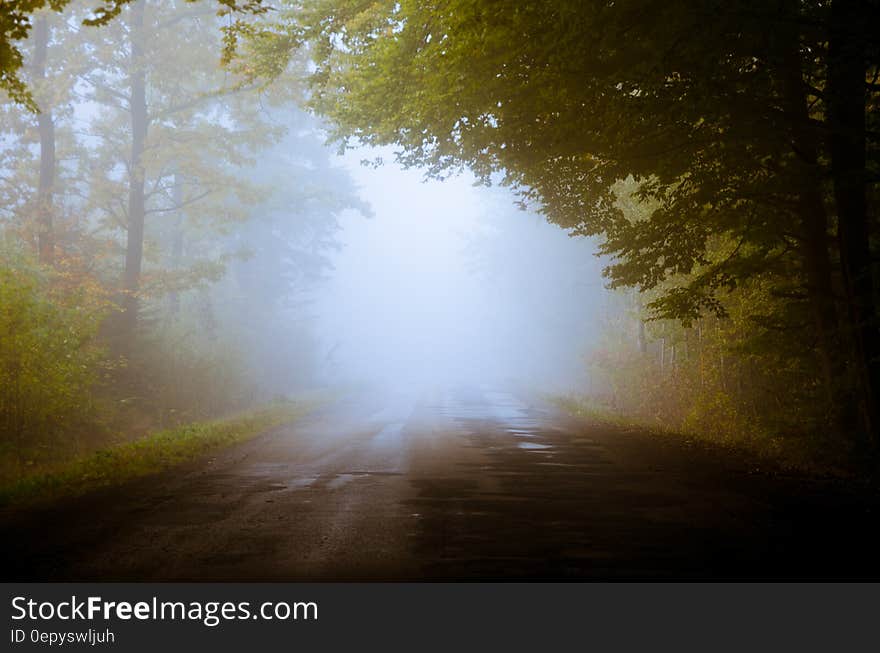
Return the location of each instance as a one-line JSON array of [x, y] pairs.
[[49, 357], [176, 374], [731, 381]]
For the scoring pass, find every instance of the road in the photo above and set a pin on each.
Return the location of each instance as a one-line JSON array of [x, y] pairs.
[[467, 484]]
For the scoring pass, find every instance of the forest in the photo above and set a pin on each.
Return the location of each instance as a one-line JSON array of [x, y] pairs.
[[725, 156], [161, 214], [169, 208]]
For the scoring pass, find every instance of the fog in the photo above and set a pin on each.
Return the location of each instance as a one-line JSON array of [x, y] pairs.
[[240, 340], [449, 283], [219, 251]]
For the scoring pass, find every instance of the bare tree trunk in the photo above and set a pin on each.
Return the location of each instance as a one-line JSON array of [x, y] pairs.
[[700, 350], [847, 63], [176, 241], [643, 340], [662, 354], [815, 255], [134, 251], [46, 126]]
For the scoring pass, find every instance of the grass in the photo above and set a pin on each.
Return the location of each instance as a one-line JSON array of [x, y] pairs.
[[148, 455], [786, 454], [581, 407]]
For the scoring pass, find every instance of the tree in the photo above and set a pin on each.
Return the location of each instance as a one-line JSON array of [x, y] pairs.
[[16, 24], [174, 128], [31, 192], [267, 297], [849, 45], [723, 114], [162, 200], [46, 123]]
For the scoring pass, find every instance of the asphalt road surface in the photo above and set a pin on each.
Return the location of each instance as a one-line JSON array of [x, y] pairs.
[[466, 484]]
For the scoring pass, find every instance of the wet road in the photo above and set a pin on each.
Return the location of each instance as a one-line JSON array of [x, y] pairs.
[[467, 484]]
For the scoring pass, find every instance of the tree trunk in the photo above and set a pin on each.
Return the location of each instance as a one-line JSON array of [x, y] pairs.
[[815, 255], [134, 251], [46, 126], [642, 338], [662, 355], [846, 115], [176, 242]]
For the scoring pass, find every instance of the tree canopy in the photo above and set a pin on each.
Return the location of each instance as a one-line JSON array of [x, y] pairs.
[[724, 155], [706, 144], [16, 23]]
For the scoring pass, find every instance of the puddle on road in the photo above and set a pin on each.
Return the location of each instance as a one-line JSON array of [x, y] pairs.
[[340, 480], [533, 446], [347, 477], [295, 484], [299, 483], [267, 470], [497, 407]]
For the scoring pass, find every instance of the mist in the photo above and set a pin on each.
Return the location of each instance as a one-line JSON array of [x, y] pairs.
[[227, 252], [448, 283], [340, 290]]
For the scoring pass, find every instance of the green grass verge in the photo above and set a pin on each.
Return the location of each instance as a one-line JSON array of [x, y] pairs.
[[789, 455], [582, 407], [154, 453]]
